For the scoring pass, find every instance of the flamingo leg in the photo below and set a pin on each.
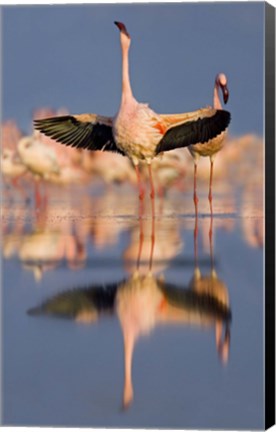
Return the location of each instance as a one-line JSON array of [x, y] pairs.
[[210, 196], [211, 241], [152, 192], [140, 185], [196, 267], [141, 241], [152, 242], [196, 240], [195, 193]]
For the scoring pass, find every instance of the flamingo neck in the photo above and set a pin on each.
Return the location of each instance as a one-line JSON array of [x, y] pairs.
[[126, 87], [216, 100]]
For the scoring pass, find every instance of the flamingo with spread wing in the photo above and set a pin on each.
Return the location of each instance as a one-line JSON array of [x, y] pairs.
[[136, 130]]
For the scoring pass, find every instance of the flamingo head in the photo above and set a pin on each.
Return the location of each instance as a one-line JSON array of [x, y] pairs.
[[221, 81], [125, 37], [122, 28]]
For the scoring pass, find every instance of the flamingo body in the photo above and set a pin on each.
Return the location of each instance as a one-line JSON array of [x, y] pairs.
[[209, 149], [37, 157], [136, 131], [215, 144]]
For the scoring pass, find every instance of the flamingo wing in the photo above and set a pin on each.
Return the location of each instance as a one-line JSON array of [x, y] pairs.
[[86, 131], [192, 128]]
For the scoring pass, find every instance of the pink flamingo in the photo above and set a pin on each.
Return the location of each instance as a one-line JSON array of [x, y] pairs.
[[40, 160], [136, 130], [215, 144], [13, 169]]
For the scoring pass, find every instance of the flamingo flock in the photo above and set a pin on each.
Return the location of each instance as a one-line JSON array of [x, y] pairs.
[[145, 137]]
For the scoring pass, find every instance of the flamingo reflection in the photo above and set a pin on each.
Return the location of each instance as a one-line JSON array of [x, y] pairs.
[[211, 286], [46, 242], [141, 302]]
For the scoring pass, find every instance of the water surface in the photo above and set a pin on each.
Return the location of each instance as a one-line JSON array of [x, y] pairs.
[[114, 321]]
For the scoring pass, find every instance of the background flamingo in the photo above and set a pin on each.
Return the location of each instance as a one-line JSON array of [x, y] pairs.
[[39, 159], [12, 169], [214, 145]]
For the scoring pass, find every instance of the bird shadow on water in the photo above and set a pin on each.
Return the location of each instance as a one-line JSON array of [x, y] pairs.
[[145, 297]]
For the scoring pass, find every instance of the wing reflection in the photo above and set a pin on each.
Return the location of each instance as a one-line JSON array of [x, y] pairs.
[[145, 300], [81, 304], [210, 286]]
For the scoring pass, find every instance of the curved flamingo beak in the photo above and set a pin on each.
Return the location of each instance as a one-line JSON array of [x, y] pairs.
[[122, 28]]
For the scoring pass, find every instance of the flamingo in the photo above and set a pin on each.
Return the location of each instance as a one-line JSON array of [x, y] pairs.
[[40, 159], [111, 169], [136, 130], [215, 144], [13, 169]]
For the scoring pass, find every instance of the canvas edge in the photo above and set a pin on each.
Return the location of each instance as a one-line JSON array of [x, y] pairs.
[[269, 215]]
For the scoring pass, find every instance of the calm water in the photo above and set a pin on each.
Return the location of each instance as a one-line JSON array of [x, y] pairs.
[[109, 320]]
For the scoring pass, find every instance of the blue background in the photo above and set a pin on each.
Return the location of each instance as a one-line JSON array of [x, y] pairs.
[[69, 56]]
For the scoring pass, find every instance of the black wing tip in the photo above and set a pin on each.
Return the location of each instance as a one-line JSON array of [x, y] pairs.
[[37, 123], [70, 131], [52, 120], [225, 116]]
